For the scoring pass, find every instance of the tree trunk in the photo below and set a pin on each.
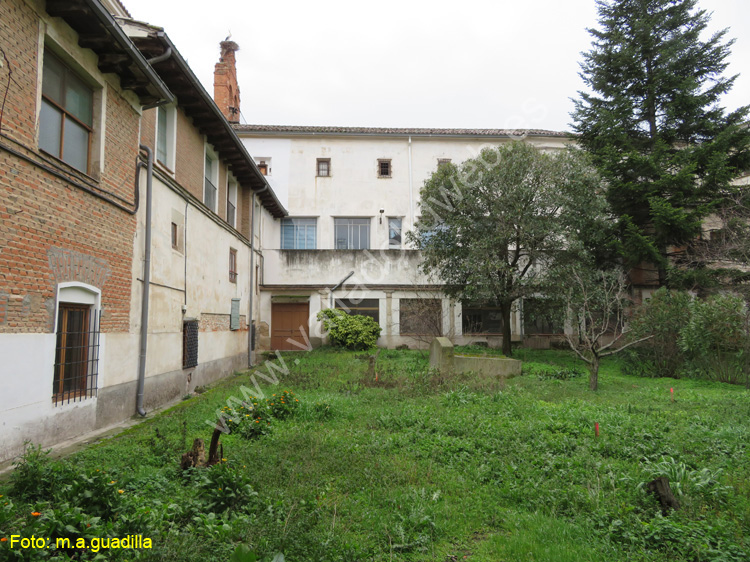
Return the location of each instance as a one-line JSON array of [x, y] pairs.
[[505, 311], [594, 374]]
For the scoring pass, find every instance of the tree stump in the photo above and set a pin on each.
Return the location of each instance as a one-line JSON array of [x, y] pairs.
[[214, 456], [195, 456], [660, 488]]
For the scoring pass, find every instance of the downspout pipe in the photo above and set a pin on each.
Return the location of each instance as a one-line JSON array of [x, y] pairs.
[[252, 279], [339, 285], [146, 282], [411, 191]]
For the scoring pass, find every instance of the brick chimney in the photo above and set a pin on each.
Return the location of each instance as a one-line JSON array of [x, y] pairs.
[[226, 89]]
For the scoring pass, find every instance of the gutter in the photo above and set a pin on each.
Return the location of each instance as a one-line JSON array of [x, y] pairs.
[[146, 284], [108, 21], [250, 319], [411, 193]]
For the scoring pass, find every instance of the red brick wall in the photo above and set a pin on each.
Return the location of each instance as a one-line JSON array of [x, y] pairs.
[[51, 230], [148, 129], [189, 159], [19, 32]]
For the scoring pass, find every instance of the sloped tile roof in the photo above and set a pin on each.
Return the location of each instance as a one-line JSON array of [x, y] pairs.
[[387, 131]]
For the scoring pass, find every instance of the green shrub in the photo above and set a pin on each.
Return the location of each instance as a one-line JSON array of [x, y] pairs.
[[349, 331], [715, 338], [283, 405], [663, 316]]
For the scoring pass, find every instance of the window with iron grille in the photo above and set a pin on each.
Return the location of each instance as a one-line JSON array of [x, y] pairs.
[[323, 167], [360, 307], [76, 353], [232, 265], [189, 344], [384, 168], [66, 116], [478, 319], [420, 317], [541, 316]]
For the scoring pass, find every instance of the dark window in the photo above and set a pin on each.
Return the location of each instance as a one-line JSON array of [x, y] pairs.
[[189, 344], [420, 317], [66, 117], [394, 233], [323, 168], [360, 307], [76, 353], [209, 189], [232, 266], [298, 234], [175, 237], [481, 320], [263, 167], [232, 203], [542, 317], [384, 168], [161, 135], [352, 234]]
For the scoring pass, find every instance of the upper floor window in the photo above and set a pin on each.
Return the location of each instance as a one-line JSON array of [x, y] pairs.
[[232, 265], [165, 135], [298, 234], [232, 203], [384, 168], [66, 117], [264, 166], [210, 191], [352, 234], [394, 233], [323, 169]]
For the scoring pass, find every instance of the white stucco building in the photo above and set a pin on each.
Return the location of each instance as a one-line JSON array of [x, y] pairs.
[[351, 192]]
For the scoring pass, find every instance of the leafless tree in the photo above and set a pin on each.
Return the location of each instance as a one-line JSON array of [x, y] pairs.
[[596, 303]]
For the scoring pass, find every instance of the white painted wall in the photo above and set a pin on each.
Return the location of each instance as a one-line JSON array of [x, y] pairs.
[[279, 150], [195, 276], [354, 188]]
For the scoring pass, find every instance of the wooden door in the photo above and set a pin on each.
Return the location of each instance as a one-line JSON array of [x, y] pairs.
[[288, 321]]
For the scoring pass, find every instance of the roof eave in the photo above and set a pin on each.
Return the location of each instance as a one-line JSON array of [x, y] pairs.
[[204, 112], [97, 30]]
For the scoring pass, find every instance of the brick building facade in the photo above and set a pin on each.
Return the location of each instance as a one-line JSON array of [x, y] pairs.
[[81, 97]]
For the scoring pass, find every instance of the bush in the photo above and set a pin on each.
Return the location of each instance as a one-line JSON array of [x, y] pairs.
[[716, 337], [664, 316], [349, 331]]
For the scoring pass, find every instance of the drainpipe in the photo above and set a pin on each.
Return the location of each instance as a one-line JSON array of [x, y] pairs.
[[146, 283], [411, 195], [252, 274], [339, 285]]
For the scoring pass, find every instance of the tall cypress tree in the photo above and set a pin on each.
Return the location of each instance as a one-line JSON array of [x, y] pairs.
[[653, 124]]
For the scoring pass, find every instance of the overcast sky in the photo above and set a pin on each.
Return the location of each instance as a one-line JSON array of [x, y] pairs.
[[475, 64]]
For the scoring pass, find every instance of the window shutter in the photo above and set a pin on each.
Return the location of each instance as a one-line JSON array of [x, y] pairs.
[[234, 320], [189, 344]]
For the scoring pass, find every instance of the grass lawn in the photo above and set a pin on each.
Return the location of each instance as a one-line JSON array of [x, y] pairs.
[[412, 466]]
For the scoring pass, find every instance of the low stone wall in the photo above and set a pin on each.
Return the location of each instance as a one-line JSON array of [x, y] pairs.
[[496, 366], [443, 359]]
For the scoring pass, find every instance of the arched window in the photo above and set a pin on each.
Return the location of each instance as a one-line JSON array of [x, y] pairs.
[[77, 343]]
